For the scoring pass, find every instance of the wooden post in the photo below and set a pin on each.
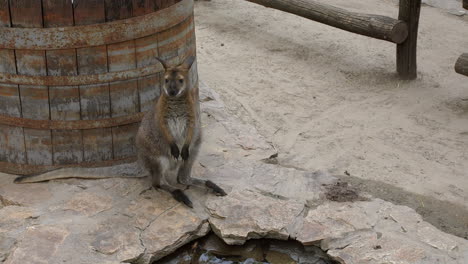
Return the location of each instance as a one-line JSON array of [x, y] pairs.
[[406, 51], [461, 66], [374, 26]]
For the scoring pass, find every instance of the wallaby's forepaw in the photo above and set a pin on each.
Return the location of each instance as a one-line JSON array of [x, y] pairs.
[[175, 151], [181, 197], [216, 189], [185, 152]]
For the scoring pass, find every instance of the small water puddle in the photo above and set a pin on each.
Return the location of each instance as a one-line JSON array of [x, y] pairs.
[[212, 250]]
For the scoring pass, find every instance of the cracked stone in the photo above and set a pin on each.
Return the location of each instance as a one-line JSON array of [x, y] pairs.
[[89, 203], [13, 216], [365, 247], [171, 230], [150, 204], [42, 240], [116, 238], [378, 232], [243, 215], [331, 220], [27, 194]]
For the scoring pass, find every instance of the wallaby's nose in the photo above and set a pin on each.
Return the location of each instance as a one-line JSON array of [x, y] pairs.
[[172, 92]]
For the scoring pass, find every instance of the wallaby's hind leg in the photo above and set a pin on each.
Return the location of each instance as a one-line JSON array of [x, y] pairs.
[[177, 194], [216, 189], [153, 168], [184, 177], [157, 171]]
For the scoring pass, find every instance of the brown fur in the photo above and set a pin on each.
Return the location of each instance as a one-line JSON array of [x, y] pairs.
[[169, 136]]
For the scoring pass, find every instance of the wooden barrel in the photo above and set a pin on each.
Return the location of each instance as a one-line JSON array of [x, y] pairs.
[[76, 78]]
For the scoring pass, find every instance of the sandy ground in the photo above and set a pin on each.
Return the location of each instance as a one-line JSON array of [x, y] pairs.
[[331, 100]]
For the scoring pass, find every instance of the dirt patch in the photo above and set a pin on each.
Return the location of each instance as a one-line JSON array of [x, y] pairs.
[[341, 191]]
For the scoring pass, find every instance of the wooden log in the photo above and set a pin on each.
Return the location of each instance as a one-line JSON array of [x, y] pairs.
[[461, 66], [375, 26], [406, 51]]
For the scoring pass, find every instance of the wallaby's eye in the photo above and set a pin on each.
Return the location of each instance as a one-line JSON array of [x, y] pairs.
[[181, 81]]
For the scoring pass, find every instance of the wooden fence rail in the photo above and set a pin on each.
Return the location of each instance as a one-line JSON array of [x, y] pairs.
[[402, 31]]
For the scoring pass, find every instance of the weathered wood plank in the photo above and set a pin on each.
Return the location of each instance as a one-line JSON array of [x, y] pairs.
[[11, 138], [34, 99], [26, 13], [149, 86], [124, 140], [67, 146], [38, 146], [124, 98], [375, 26], [124, 94], [12, 142], [97, 144], [9, 94], [190, 42], [64, 100], [65, 105], [4, 14], [88, 12], [161, 4], [143, 7], [57, 13], [118, 9], [461, 65], [95, 99], [406, 51], [147, 51], [172, 43]]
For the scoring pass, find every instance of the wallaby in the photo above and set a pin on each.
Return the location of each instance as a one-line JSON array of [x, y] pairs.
[[169, 136]]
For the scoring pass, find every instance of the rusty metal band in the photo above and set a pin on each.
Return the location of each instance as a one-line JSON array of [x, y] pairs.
[[71, 125], [27, 169], [80, 79], [95, 34]]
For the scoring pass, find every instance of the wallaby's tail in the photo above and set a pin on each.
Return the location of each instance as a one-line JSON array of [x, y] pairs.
[[130, 170]]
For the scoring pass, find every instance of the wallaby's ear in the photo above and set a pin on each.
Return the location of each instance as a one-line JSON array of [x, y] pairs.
[[188, 62], [163, 63]]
